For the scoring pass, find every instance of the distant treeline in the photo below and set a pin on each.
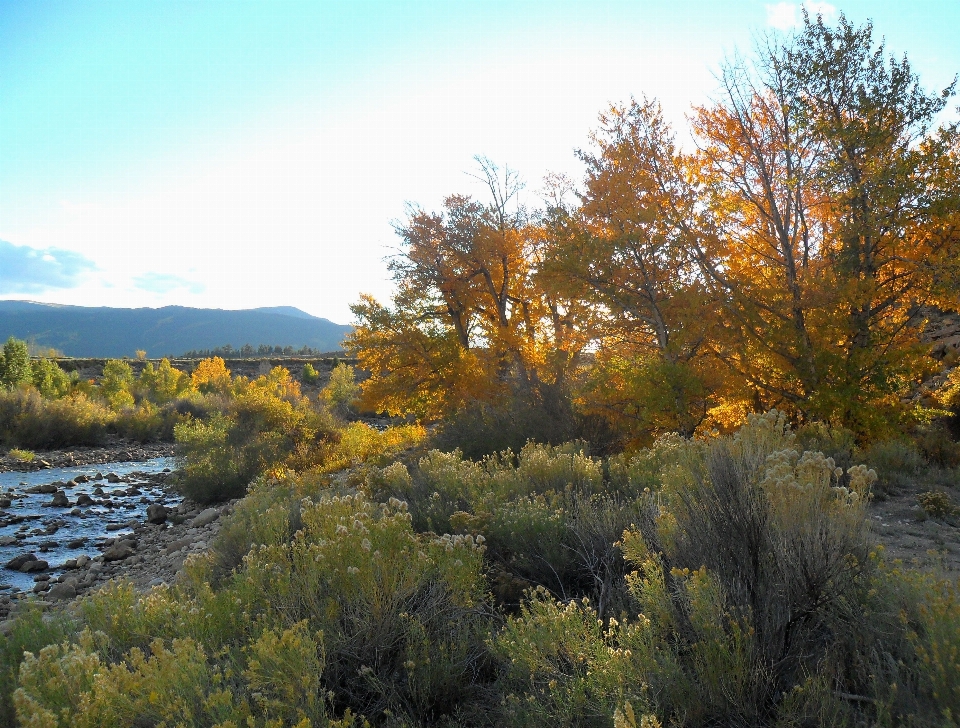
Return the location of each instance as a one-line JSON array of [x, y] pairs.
[[247, 350]]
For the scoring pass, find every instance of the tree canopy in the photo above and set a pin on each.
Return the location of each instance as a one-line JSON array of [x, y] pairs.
[[782, 262]]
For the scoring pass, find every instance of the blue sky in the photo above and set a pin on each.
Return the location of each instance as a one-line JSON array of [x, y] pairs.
[[242, 154]]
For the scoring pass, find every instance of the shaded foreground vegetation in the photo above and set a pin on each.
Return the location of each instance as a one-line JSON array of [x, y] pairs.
[[695, 583]]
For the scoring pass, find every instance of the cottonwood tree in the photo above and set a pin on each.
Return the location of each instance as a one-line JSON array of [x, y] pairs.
[[470, 319], [832, 206], [627, 247]]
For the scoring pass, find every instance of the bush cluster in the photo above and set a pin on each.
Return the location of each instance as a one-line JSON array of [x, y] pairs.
[[731, 582]]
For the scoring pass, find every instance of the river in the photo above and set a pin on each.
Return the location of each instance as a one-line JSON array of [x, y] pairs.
[[56, 534]]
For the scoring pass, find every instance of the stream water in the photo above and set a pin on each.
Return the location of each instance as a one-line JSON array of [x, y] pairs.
[[118, 494]]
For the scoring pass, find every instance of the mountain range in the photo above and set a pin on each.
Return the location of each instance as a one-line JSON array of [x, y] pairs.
[[168, 331]]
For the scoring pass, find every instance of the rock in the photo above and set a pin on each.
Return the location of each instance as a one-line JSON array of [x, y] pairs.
[[116, 526], [42, 577], [41, 586], [70, 564], [76, 543], [98, 491], [17, 561], [84, 500], [7, 540], [35, 565], [64, 590], [70, 484], [81, 479], [118, 552], [178, 544], [76, 512], [156, 513], [5, 502], [206, 517], [82, 561], [113, 478], [60, 500]]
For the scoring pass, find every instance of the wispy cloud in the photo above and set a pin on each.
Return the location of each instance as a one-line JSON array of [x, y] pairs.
[[785, 16], [31, 270], [164, 283]]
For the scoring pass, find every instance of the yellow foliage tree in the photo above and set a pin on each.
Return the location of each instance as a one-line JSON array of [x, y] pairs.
[[211, 375]]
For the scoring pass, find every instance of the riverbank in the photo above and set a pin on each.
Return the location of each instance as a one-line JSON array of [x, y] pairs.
[[146, 554], [114, 450]]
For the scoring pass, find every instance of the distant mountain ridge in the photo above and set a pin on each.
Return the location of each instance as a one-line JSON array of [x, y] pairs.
[[167, 331]]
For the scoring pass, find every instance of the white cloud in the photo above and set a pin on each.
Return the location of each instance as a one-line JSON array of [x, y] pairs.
[[786, 16], [783, 16]]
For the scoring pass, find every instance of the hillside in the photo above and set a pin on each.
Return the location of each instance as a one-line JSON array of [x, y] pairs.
[[168, 331]]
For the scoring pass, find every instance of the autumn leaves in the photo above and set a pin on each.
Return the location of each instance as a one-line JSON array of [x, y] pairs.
[[778, 262]]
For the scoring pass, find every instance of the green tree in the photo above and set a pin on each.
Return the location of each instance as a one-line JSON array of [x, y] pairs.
[[116, 383], [164, 383], [50, 380], [342, 391], [15, 363]]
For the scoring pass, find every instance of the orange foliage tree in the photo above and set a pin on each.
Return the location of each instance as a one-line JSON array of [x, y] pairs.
[[471, 319], [832, 206], [781, 263]]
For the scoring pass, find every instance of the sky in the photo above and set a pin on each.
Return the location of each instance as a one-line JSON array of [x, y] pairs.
[[237, 154]]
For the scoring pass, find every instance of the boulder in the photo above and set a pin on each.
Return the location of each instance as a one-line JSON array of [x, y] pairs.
[[5, 502], [76, 543], [205, 517], [17, 561], [118, 552], [113, 478], [35, 565], [60, 500], [156, 513], [64, 590], [84, 500]]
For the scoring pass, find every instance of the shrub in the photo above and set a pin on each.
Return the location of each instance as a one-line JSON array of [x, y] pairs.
[[211, 467], [837, 443], [116, 384], [29, 421], [938, 446], [28, 633], [146, 422], [26, 456], [267, 425], [565, 668], [342, 390], [936, 504], [351, 612], [310, 374], [785, 547], [482, 428], [897, 463]]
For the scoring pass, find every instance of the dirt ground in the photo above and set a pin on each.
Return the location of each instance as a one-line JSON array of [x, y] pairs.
[[909, 534]]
